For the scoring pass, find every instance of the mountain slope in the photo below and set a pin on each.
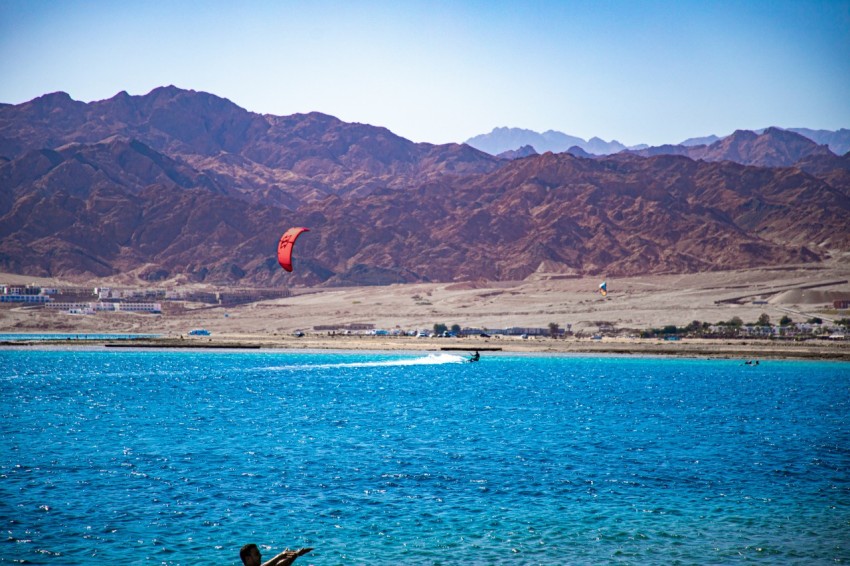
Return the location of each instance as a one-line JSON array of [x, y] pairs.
[[101, 209], [183, 185], [838, 141], [772, 148], [615, 215], [276, 160]]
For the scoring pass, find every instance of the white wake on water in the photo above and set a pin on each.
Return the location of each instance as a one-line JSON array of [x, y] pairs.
[[429, 360]]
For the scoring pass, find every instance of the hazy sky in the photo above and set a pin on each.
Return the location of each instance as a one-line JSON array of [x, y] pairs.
[[636, 71]]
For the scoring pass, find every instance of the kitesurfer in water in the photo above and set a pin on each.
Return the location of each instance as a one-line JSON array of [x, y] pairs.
[[475, 357], [251, 556]]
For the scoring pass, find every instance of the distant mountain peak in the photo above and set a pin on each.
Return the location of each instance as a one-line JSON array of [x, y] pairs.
[[58, 99], [170, 89], [503, 139], [524, 151], [742, 135], [578, 152], [53, 97], [704, 140]]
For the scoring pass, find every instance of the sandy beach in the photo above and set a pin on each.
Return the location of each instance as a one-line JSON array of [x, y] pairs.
[[749, 350]]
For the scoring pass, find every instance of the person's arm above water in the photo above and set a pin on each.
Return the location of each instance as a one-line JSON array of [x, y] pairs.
[[286, 557]]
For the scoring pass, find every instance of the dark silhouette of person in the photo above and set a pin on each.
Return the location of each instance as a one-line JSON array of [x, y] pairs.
[[250, 555], [475, 357]]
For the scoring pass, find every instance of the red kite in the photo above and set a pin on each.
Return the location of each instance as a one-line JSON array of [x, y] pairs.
[[284, 247]]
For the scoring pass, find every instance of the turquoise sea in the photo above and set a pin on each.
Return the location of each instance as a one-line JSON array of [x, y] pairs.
[[181, 457]]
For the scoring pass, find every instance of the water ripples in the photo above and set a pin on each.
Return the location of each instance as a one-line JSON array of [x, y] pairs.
[[182, 457]]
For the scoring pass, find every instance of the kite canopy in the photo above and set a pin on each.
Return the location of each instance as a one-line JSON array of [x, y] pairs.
[[603, 288], [284, 247]]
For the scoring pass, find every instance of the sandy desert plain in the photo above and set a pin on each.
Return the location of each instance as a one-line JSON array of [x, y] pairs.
[[633, 304]]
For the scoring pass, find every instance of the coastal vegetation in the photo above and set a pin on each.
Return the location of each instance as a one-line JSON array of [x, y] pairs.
[[762, 327]]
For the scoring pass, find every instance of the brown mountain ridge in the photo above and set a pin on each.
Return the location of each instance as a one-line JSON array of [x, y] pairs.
[[774, 147], [184, 185]]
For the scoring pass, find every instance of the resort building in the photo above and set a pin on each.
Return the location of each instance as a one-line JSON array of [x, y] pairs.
[[33, 299], [106, 307]]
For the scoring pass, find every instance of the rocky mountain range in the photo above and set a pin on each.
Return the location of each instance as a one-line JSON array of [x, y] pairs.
[[509, 141], [178, 185], [502, 140]]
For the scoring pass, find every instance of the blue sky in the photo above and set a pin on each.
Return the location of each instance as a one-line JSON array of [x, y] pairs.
[[636, 71]]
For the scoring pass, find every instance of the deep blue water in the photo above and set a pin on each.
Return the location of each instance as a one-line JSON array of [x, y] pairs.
[[174, 457]]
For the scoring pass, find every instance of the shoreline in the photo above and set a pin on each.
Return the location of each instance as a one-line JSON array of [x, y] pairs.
[[693, 348], [799, 295]]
